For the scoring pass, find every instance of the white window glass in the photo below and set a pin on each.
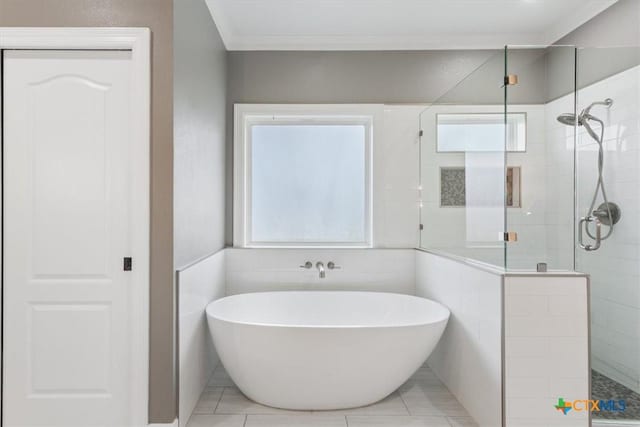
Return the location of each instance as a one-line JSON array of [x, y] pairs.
[[481, 132], [307, 184]]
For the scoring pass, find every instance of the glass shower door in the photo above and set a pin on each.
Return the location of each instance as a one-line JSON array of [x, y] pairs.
[[462, 168], [539, 160]]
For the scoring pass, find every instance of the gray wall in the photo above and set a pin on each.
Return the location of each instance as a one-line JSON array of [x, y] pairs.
[[608, 44], [200, 65], [157, 15], [348, 77], [617, 26], [544, 74]]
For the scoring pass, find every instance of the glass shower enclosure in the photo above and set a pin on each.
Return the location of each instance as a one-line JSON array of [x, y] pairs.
[[496, 171], [462, 166], [532, 163]]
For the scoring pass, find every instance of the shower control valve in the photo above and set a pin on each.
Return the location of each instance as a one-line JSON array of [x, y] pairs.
[[307, 265], [332, 266], [583, 225]]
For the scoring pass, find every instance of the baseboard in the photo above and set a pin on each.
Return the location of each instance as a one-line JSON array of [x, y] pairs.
[[173, 424]]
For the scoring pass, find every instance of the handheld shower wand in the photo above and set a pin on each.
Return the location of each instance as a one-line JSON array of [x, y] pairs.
[[608, 213]]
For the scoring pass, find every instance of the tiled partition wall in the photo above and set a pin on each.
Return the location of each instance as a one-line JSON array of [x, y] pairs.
[[514, 344], [615, 267], [198, 285], [468, 358], [546, 349]]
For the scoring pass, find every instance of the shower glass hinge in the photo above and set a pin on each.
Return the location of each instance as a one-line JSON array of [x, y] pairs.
[[511, 79], [421, 133], [509, 236], [421, 227]]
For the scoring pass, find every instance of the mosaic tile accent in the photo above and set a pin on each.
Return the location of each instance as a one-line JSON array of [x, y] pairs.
[[452, 187], [513, 186], [605, 388]]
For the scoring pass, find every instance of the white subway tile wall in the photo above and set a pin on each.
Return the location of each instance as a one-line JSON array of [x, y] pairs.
[[262, 270], [546, 349], [468, 357], [615, 267], [396, 178], [198, 285]]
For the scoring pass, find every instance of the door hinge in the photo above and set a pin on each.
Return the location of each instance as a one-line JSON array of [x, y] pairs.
[[127, 263], [421, 226], [508, 236], [511, 79], [421, 133]]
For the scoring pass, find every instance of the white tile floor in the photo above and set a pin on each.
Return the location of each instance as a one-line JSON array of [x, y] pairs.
[[423, 401]]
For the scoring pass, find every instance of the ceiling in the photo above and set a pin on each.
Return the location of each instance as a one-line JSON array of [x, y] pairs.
[[397, 24]]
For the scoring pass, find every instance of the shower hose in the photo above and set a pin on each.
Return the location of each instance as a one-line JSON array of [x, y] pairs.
[[600, 184]]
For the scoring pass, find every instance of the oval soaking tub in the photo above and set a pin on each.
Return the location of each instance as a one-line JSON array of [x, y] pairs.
[[323, 350]]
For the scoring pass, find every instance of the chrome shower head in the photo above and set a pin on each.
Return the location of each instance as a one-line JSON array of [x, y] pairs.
[[569, 119]]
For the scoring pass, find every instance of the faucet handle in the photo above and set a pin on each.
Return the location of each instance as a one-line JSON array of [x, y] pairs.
[[332, 266], [307, 265]]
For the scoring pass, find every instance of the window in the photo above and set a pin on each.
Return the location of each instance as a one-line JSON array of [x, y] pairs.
[[302, 178], [481, 132]]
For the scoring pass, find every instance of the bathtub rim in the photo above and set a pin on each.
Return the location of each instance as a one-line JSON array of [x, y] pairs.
[[440, 319]]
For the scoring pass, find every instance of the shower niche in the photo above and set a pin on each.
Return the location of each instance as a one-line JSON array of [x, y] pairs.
[[453, 187]]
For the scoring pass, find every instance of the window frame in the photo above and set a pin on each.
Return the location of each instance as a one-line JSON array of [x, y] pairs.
[[247, 115], [499, 115]]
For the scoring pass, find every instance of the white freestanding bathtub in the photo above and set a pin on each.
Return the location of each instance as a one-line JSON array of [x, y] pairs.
[[323, 350]]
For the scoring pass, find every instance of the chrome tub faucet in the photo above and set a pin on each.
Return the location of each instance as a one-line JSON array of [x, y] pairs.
[[320, 267]]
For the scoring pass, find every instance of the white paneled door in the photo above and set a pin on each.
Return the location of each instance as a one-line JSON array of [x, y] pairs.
[[67, 232]]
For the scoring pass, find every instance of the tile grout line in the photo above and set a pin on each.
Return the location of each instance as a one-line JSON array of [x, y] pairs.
[[219, 400], [405, 404], [449, 420]]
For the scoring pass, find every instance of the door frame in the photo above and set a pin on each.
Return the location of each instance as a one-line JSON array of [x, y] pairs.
[[138, 41]]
